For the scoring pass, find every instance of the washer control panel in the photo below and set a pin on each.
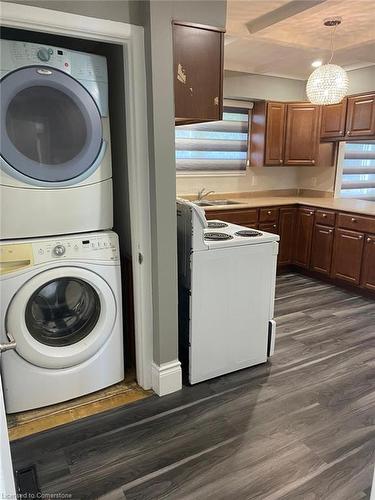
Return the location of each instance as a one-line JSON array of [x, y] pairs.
[[86, 247], [26, 54]]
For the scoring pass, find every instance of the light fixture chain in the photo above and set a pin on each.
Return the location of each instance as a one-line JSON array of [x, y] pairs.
[[332, 37]]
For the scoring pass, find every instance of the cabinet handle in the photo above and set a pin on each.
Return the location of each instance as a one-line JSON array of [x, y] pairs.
[[324, 215], [269, 212], [348, 132], [311, 213], [340, 131], [280, 161], [330, 230], [274, 226], [353, 219], [360, 237], [369, 240], [313, 162]]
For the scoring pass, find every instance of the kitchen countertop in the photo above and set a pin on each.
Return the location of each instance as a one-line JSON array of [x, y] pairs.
[[339, 204]]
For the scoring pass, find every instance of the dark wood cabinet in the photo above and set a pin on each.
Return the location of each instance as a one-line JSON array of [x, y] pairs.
[[360, 121], [302, 134], [303, 239], [268, 227], [198, 72], [368, 264], [347, 255], [322, 247], [275, 133], [287, 225], [333, 120]]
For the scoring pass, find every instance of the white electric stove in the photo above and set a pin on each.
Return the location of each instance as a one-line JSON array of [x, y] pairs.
[[227, 277]]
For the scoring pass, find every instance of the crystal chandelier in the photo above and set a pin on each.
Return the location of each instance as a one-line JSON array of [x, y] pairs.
[[329, 83]]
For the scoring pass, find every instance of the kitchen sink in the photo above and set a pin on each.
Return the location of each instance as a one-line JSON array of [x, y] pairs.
[[213, 203]]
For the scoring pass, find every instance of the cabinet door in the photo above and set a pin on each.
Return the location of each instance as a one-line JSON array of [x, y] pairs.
[[368, 264], [198, 73], [302, 134], [347, 255], [360, 121], [269, 227], [333, 120], [302, 248], [275, 133], [322, 247], [287, 223]]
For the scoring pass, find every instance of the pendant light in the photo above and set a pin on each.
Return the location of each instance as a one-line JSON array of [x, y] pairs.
[[329, 83]]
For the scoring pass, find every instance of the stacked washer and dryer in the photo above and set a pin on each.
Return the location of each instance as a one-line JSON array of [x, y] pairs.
[[60, 284]]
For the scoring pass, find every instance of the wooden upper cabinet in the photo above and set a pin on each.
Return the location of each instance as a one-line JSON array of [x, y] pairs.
[[198, 72], [333, 120], [360, 121], [347, 255], [368, 264], [302, 134], [275, 133], [303, 238]]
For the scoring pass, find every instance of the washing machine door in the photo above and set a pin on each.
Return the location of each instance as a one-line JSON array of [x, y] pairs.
[[61, 317], [51, 128]]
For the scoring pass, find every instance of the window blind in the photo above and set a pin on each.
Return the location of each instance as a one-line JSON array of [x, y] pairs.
[[215, 146], [358, 179]]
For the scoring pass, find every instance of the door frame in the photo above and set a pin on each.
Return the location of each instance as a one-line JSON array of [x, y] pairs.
[[131, 38]]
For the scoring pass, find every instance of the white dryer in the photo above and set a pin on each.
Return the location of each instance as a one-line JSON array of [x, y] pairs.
[[55, 154], [61, 305]]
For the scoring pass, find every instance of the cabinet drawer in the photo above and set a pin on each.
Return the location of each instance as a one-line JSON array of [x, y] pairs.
[[241, 217], [325, 217], [269, 227], [268, 214], [357, 222]]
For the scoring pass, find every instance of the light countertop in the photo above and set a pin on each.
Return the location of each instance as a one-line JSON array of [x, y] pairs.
[[339, 204]]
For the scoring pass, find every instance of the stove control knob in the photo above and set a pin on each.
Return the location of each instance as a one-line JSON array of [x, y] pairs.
[[59, 250]]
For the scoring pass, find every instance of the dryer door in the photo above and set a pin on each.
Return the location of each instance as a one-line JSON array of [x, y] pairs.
[[51, 129], [61, 317]]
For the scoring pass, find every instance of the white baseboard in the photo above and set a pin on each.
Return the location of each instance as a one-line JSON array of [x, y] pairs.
[[166, 378]]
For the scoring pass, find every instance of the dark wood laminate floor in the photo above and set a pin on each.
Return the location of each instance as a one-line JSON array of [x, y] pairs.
[[299, 428]]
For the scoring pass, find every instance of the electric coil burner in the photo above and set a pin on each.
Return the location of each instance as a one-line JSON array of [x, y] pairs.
[[248, 233], [217, 236], [216, 225]]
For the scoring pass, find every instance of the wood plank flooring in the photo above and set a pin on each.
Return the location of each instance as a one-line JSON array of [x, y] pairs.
[[300, 427]]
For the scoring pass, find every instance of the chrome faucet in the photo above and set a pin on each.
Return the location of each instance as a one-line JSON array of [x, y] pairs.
[[203, 194]]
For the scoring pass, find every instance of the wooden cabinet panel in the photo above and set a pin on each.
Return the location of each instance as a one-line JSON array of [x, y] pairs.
[[356, 222], [303, 240], [275, 133], [287, 223], [302, 134], [322, 247], [268, 214], [368, 264], [347, 255], [360, 121], [325, 217], [198, 72], [269, 227], [333, 120], [242, 217]]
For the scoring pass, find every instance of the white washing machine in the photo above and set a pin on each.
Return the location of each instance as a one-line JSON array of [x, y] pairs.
[[55, 148], [61, 305]]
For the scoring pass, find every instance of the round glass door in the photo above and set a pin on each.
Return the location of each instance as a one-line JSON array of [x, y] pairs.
[[61, 317], [51, 127], [62, 312]]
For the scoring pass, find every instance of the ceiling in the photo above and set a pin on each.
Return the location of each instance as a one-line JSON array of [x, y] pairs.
[[283, 37]]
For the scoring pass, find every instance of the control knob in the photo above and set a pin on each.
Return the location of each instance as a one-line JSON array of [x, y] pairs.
[[59, 250], [44, 54]]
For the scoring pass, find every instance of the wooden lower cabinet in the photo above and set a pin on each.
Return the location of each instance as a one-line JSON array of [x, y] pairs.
[[304, 232], [287, 224], [322, 247], [368, 264], [347, 255]]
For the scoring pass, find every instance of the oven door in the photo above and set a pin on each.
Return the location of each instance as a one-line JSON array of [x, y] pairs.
[[51, 128], [61, 317]]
